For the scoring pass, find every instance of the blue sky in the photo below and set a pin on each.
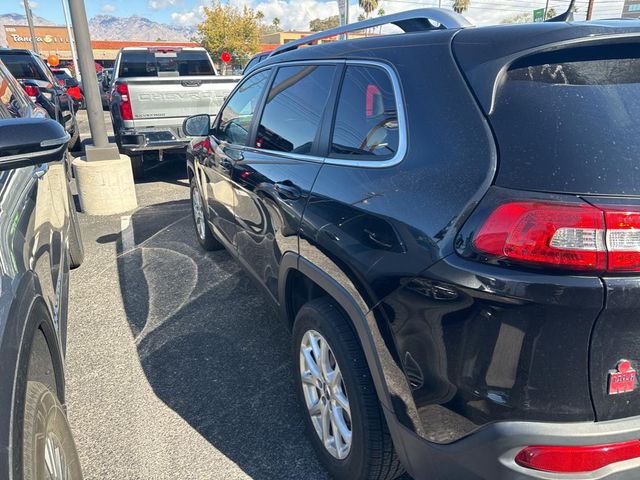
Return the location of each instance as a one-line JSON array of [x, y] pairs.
[[295, 14]]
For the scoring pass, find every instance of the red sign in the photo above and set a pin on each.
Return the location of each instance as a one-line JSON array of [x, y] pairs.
[[225, 57], [622, 379]]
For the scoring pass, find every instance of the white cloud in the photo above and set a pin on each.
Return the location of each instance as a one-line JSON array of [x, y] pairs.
[[107, 8], [156, 5], [32, 4], [296, 14]]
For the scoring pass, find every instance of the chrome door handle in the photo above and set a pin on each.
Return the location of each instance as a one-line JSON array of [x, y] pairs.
[[40, 171]]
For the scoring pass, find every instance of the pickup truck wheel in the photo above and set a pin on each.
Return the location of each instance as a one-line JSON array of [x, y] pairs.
[[137, 165], [203, 232], [341, 408], [48, 450]]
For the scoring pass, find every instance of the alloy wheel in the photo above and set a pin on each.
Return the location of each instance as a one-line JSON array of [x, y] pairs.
[[198, 213], [325, 394], [54, 459]]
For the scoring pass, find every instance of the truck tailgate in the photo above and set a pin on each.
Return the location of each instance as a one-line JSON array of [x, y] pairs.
[[175, 97]]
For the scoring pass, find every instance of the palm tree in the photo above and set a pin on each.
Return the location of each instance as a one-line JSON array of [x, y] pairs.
[[368, 6], [461, 5]]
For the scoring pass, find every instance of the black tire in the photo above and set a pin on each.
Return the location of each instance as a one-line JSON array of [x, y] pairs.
[[44, 419], [372, 455], [205, 237], [76, 247], [75, 144], [137, 165]]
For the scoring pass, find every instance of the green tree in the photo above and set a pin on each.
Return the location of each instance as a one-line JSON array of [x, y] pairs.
[[551, 12], [381, 12], [226, 28], [320, 24], [368, 6], [361, 17], [461, 5], [276, 23]]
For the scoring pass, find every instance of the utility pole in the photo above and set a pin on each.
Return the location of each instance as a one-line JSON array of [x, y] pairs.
[[103, 176], [32, 32], [72, 41], [546, 9], [590, 9]]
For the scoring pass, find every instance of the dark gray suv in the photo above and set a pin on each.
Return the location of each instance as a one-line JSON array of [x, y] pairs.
[[39, 243]]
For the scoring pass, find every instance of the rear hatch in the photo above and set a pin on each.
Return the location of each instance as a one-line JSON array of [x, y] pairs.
[[172, 83], [566, 119]]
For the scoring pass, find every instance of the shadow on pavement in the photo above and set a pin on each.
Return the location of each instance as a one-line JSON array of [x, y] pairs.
[[211, 346]]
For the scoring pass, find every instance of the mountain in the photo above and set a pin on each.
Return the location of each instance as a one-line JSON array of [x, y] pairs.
[[17, 19], [107, 27]]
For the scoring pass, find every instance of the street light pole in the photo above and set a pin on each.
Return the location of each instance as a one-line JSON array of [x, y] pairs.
[[88, 72], [27, 11], [590, 9], [72, 44]]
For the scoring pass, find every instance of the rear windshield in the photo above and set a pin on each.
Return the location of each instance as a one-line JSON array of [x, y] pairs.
[[569, 122], [181, 63], [23, 67]]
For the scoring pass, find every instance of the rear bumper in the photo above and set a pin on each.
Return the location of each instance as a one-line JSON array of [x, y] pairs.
[[490, 452], [136, 141]]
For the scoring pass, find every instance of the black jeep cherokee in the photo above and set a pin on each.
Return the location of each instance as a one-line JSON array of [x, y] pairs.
[[449, 220]]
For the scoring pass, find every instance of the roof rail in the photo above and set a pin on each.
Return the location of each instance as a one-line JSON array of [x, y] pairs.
[[410, 21]]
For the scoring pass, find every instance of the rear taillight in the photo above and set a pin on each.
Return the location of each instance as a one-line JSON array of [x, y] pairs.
[[125, 104], [562, 459], [32, 91], [564, 235], [623, 239], [61, 82]]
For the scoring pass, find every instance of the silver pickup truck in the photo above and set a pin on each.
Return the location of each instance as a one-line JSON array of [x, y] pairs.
[[153, 90]]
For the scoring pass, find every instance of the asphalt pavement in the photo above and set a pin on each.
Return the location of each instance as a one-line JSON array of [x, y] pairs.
[[177, 367]]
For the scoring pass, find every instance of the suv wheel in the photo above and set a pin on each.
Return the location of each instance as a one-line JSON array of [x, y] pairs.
[[341, 408], [48, 450], [203, 232]]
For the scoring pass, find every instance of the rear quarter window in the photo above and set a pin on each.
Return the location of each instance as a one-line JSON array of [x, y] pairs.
[[366, 119], [568, 121]]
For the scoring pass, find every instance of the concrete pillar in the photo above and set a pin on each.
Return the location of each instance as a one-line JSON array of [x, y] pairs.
[[104, 177]]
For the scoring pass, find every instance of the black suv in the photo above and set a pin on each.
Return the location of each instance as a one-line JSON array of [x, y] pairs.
[[448, 220], [42, 86], [39, 243]]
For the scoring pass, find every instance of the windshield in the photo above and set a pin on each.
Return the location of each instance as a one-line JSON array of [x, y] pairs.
[[146, 63], [567, 122]]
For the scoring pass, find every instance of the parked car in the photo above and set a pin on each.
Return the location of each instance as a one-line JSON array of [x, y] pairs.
[[154, 90], [447, 220], [43, 88], [73, 87], [39, 243]]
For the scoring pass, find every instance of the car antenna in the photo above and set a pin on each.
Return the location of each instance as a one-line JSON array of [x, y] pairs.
[[566, 16]]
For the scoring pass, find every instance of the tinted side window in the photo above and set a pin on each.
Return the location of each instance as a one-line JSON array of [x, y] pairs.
[[236, 117], [366, 122], [294, 108]]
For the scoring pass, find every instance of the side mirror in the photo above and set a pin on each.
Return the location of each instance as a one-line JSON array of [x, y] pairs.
[[197, 125], [31, 141]]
